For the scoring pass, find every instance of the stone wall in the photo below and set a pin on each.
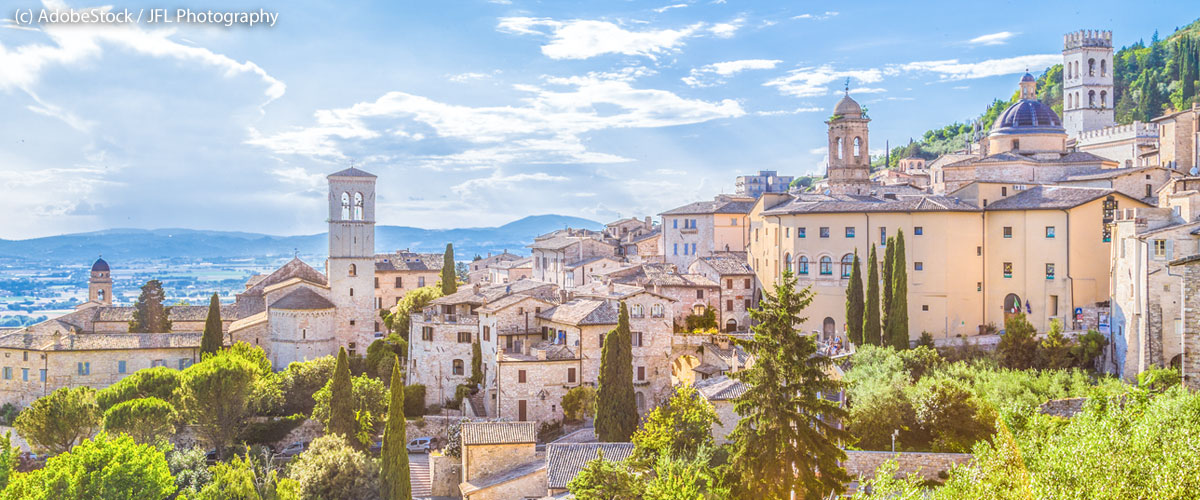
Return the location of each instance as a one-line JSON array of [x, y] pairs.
[[532, 485], [928, 465], [1191, 325], [1066, 408], [485, 460], [445, 474]]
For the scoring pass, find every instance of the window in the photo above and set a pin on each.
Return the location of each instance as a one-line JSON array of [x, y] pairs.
[[675, 249], [1049, 231], [353, 270], [1054, 305], [826, 266], [656, 310], [1008, 231], [84, 368], [24, 374], [978, 251], [638, 311], [857, 147], [787, 262], [427, 333], [801, 232], [1008, 269], [746, 283], [351, 292], [849, 231], [685, 248], [675, 224], [487, 333], [693, 249], [699, 294], [918, 266], [1160, 248], [457, 369], [1149, 190], [120, 367], [42, 375], [787, 232], [8, 373], [358, 206], [729, 305], [1049, 271], [345, 206], [729, 284], [847, 265], [802, 265], [746, 303], [25, 356], [570, 375], [733, 221], [184, 362], [421, 281], [399, 282], [635, 339], [883, 236], [924, 307], [1016, 144], [641, 373], [824, 232], [918, 230], [158, 362]]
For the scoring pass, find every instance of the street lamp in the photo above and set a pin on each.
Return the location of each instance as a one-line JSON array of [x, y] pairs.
[[894, 434]]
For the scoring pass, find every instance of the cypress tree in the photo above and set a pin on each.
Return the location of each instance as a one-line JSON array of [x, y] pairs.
[[871, 327], [616, 405], [394, 474], [213, 339], [854, 303], [886, 297], [476, 364], [449, 280], [897, 322], [149, 314], [341, 402]]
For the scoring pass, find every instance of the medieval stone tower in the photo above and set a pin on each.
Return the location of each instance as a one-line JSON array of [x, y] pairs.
[[100, 284], [351, 263], [849, 160], [1087, 81]]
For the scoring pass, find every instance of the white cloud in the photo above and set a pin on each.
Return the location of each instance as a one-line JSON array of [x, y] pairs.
[[819, 151], [819, 17], [546, 127], [660, 10], [584, 38], [953, 69], [712, 74], [466, 77], [796, 111], [482, 185], [814, 81], [1000, 38], [867, 90]]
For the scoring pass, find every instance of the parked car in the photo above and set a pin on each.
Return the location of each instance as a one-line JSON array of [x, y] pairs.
[[293, 449], [377, 446], [420, 445]]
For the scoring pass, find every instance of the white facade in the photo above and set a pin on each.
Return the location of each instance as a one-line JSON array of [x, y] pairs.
[[1087, 81]]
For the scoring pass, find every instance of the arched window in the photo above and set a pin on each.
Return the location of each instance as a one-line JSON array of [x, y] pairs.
[[698, 309], [847, 264], [1076, 69], [100, 295], [802, 264], [1103, 98], [838, 148], [345, 206], [787, 262], [1103, 68], [1091, 98], [1070, 101], [1091, 67], [826, 266], [353, 270], [857, 147], [458, 367], [638, 311], [1078, 100], [351, 292], [358, 206], [656, 310]]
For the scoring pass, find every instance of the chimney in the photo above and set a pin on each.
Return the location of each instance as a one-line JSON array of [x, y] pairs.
[[475, 288], [611, 287]]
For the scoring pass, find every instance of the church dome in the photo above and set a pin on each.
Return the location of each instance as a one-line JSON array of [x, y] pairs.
[[1028, 78], [100, 266], [847, 107], [1028, 116]]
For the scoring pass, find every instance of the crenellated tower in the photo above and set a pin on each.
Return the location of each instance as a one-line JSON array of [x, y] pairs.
[[1087, 81]]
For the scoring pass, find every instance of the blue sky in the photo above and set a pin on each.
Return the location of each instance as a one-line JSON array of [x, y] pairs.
[[476, 113]]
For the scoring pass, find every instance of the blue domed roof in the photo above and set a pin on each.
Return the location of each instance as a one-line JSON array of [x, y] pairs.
[[1028, 78], [1028, 116], [100, 265]]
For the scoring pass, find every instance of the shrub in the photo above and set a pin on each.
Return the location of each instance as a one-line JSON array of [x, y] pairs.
[[332, 469], [8, 413], [370, 396], [1159, 379], [414, 400], [103, 467], [158, 382], [579, 403], [146, 420], [550, 431], [301, 380], [189, 467], [272, 430]]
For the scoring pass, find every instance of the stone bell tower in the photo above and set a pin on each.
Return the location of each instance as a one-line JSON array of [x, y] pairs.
[[849, 161], [100, 284], [351, 264], [1087, 81]]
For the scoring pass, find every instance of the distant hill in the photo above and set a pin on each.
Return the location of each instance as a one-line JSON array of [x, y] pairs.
[[130, 244]]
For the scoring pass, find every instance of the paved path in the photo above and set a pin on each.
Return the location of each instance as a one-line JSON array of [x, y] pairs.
[[418, 466]]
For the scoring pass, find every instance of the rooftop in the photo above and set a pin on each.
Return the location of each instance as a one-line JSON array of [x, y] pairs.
[[477, 433], [565, 460], [302, 298], [723, 204], [1050, 198], [720, 388], [824, 203], [582, 312], [729, 263]]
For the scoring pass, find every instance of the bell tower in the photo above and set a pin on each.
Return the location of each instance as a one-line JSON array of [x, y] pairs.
[[351, 263], [100, 285], [849, 161], [1087, 81]]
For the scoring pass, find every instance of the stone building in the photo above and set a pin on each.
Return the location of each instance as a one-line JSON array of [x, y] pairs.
[[699, 229], [766, 181], [738, 287], [1188, 270], [564, 461], [1131, 145], [401, 272], [1179, 137], [720, 392], [849, 154], [500, 461], [1088, 96], [555, 256], [100, 286], [507, 271], [477, 270]]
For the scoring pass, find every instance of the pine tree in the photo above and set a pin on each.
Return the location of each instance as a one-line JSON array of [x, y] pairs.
[[213, 339], [149, 314], [886, 297], [449, 280], [616, 405], [897, 319], [476, 364], [341, 402], [394, 474], [871, 326], [854, 303], [788, 440]]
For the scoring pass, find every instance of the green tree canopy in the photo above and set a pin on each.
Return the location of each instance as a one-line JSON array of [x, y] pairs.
[[855, 303], [367, 396], [579, 403], [677, 429], [104, 467], [300, 380], [216, 395], [149, 313], [245, 478], [394, 474], [341, 417], [871, 326], [55, 422], [897, 318], [616, 405], [1018, 346], [157, 382], [331, 469], [603, 479], [213, 338], [411, 303], [449, 280], [146, 420]]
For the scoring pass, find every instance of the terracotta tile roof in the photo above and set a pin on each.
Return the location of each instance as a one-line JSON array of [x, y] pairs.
[[1049, 198], [600, 290], [510, 300], [720, 205], [476, 433], [478, 484], [729, 263], [409, 261], [302, 298], [99, 341], [176, 313], [582, 312], [467, 294], [823, 203], [565, 460], [556, 243], [721, 388], [1105, 173]]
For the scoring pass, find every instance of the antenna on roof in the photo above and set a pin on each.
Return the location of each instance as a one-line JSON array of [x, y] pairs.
[[847, 85], [296, 252]]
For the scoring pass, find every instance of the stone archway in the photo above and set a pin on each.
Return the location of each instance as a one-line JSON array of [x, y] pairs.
[[1012, 306], [828, 329], [681, 369], [731, 325]]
